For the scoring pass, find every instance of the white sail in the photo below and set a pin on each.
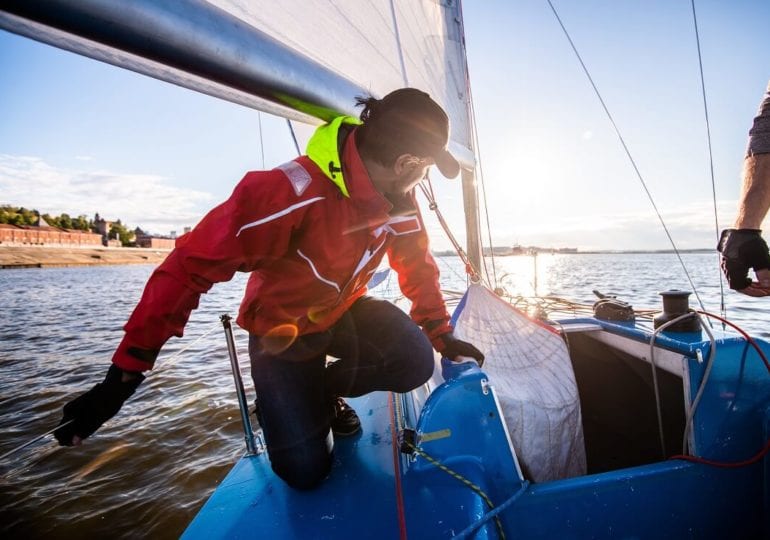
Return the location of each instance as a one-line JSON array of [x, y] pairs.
[[529, 366], [302, 59], [380, 45]]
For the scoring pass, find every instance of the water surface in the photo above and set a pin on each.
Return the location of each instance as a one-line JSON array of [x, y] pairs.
[[147, 472]]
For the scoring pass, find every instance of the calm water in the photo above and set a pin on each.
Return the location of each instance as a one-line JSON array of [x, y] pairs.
[[148, 471]]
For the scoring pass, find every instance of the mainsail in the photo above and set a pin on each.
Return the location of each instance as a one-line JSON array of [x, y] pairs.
[[304, 60], [301, 59]]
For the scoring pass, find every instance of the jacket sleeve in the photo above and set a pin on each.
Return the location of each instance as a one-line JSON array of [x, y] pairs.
[[249, 229], [418, 278]]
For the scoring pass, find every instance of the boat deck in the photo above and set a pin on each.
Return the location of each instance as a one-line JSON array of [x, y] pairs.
[[251, 497], [375, 491]]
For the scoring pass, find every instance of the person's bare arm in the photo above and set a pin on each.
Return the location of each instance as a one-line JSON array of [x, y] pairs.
[[743, 247], [755, 195]]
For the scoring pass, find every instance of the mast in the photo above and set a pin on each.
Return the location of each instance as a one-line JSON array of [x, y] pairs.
[[470, 195], [471, 209]]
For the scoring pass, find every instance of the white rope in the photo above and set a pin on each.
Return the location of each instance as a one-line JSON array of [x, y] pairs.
[[35, 439], [655, 375], [166, 363], [699, 394]]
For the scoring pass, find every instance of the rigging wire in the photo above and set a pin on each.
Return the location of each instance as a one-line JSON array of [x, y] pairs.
[[427, 189], [293, 137], [628, 153], [261, 140], [722, 308]]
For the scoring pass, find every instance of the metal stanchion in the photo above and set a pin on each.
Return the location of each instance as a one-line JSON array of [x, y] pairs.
[[251, 444]]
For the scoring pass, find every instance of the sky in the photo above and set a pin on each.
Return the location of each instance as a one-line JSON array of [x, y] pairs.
[[80, 136]]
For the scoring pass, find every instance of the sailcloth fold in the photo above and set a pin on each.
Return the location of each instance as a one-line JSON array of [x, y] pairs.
[[529, 367]]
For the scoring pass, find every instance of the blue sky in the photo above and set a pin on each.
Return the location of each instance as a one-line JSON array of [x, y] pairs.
[[79, 136]]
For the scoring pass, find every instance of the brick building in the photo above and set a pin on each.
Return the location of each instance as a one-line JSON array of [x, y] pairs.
[[158, 242], [45, 235]]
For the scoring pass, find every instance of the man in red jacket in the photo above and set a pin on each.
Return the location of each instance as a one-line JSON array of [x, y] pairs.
[[311, 232]]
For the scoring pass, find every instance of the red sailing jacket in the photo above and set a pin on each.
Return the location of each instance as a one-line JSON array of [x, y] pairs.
[[310, 250]]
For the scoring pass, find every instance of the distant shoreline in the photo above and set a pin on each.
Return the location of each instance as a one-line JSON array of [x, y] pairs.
[[587, 252], [54, 256]]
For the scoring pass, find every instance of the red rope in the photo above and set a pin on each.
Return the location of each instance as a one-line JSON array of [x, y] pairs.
[[726, 464], [397, 470], [759, 455], [748, 338]]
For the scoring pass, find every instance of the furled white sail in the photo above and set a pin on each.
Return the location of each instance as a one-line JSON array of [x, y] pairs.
[[529, 367]]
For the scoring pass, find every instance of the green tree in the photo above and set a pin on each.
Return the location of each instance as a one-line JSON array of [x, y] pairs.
[[6, 213], [81, 223], [50, 220], [65, 221], [28, 217], [118, 230]]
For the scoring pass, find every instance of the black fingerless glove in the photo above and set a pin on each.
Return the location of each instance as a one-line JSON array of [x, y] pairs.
[[741, 250], [451, 348], [92, 409]]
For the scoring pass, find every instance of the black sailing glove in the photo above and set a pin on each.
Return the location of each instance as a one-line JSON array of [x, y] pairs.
[[741, 250], [451, 348], [92, 409]]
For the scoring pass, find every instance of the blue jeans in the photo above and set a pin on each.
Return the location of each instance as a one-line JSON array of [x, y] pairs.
[[378, 347]]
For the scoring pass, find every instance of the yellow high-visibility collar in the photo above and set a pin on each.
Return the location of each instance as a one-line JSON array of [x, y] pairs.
[[322, 149]]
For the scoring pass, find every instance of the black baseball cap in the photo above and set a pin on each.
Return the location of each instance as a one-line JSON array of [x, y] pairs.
[[413, 117]]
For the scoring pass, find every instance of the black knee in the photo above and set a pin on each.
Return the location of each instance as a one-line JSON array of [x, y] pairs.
[[302, 468], [419, 367]]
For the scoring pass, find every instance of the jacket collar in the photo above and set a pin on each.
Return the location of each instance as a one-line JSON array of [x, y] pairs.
[[368, 200], [324, 147], [336, 155]]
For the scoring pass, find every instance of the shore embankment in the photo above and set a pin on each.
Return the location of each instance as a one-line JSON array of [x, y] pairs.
[[54, 256]]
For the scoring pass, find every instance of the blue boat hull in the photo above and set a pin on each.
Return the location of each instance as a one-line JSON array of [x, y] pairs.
[[377, 491]]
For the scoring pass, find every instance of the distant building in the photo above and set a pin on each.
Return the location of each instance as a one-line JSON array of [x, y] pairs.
[[42, 234], [102, 226], [145, 240]]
